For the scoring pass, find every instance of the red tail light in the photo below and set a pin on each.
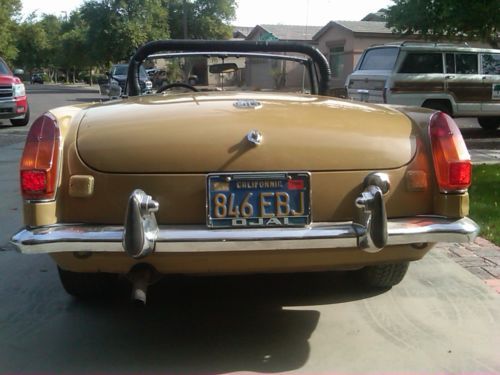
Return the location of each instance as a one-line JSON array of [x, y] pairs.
[[451, 158], [40, 159]]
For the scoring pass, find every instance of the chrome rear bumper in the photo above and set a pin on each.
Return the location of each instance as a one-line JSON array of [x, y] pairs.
[[188, 239]]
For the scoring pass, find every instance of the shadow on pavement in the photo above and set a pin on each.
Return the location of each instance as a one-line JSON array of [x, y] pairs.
[[478, 133], [54, 89], [192, 325]]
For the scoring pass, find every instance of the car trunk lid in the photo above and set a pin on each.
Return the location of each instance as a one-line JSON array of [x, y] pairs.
[[207, 132]]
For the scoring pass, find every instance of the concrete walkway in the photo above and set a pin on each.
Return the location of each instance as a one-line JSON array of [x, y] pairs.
[[440, 319], [481, 258], [485, 156]]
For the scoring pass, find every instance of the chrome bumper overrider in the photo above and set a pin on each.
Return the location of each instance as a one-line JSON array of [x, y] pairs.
[[82, 238]]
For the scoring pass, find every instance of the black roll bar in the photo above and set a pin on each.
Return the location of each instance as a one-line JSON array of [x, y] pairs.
[[225, 46]]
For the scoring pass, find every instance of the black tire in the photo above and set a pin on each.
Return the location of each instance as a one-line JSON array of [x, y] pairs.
[[489, 123], [86, 285], [442, 106], [22, 121], [384, 275]]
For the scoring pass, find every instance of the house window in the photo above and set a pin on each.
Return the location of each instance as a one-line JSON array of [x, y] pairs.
[[337, 61]]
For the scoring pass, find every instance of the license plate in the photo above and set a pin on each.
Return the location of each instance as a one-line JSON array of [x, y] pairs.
[[236, 200]]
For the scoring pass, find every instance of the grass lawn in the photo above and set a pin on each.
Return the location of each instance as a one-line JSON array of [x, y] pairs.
[[485, 200]]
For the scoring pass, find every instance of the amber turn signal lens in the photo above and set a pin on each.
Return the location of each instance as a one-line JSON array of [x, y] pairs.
[[451, 159], [40, 159]]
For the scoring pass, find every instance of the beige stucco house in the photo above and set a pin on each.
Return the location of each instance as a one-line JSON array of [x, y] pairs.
[[292, 73], [343, 42]]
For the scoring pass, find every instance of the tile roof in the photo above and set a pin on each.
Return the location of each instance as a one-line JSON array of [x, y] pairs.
[[243, 30], [372, 27], [292, 32], [365, 26]]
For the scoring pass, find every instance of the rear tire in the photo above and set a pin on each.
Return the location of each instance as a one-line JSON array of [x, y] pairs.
[[86, 285], [384, 275], [22, 121], [441, 105], [489, 123]]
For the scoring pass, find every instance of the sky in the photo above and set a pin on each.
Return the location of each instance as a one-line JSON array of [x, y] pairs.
[[253, 12]]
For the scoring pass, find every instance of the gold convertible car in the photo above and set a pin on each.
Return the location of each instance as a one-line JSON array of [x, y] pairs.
[[239, 163]]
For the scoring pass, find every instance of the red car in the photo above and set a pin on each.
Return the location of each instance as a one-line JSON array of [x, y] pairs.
[[13, 101]]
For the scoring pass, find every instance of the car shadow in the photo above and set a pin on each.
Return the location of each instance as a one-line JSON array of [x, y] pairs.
[[221, 324], [478, 133], [59, 89]]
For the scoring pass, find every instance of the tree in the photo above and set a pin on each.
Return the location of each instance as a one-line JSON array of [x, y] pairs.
[[38, 42], [447, 19], [32, 44], [51, 25], [116, 28], [206, 19], [102, 32], [73, 48], [9, 10]]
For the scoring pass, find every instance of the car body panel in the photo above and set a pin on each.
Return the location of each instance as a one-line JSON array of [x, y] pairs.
[[299, 133], [116, 83], [242, 261], [333, 191], [468, 93], [11, 107], [136, 169], [334, 187]]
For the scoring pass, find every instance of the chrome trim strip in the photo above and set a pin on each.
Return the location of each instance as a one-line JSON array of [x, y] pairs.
[[198, 238]]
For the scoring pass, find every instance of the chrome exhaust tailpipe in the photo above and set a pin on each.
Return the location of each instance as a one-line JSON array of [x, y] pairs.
[[142, 276], [139, 290]]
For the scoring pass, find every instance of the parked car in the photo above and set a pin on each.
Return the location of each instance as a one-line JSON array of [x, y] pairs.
[[458, 80], [117, 80], [242, 177], [151, 72], [37, 78], [13, 102]]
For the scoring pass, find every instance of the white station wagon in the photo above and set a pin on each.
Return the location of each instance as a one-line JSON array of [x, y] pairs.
[[458, 80]]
